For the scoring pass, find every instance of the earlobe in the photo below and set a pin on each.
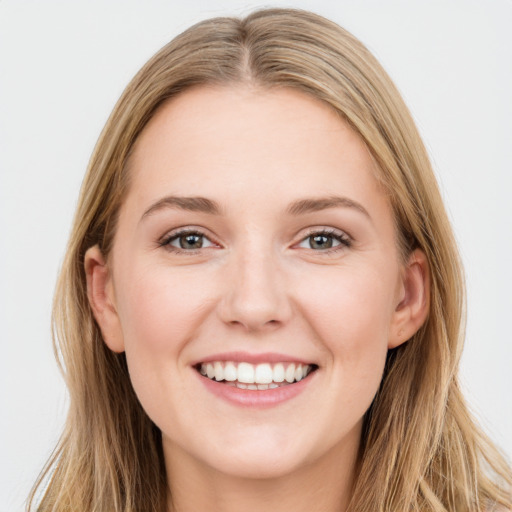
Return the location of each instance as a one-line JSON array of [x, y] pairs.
[[413, 304], [101, 298]]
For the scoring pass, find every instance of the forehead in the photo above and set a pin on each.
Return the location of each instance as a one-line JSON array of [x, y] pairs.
[[241, 141]]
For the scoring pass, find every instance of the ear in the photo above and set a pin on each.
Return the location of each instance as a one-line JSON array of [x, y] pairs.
[[413, 299], [100, 292]]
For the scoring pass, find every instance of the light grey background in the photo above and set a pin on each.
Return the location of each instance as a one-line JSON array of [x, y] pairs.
[[63, 64]]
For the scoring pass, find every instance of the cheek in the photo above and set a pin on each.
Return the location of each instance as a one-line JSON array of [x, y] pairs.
[[351, 308], [160, 308], [160, 311], [350, 311]]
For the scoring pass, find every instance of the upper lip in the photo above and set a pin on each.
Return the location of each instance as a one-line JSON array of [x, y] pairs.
[[253, 358]]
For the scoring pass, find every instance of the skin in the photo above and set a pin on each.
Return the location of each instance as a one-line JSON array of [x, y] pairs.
[[258, 284]]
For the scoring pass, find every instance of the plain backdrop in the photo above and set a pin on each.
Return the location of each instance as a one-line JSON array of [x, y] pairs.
[[63, 65]]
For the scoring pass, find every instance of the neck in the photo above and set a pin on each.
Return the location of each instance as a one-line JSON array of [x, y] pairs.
[[324, 484]]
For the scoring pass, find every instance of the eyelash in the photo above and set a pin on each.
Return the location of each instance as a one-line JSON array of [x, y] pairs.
[[166, 241], [344, 240]]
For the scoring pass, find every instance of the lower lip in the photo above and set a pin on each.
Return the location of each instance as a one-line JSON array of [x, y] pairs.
[[261, 398]]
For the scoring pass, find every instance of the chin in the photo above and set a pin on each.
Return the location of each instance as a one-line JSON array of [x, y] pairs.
[[260, 466], [263, 458]]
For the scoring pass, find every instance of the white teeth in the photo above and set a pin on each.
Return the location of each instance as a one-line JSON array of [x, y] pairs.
[[230, 373], [290, 373], [263, 374], [249, 376], [278, 373], [246, 373], [219, 371]]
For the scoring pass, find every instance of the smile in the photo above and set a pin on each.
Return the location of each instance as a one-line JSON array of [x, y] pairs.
[[263, 376]]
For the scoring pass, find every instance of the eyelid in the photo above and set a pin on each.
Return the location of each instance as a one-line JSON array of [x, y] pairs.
[[342, 236], [165, 240], [345, 240]]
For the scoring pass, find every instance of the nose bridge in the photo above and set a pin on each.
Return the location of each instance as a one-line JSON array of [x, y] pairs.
[[255, 289]]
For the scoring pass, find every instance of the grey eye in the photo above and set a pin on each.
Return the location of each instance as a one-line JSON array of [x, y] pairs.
[[189, 241], [319, 241]]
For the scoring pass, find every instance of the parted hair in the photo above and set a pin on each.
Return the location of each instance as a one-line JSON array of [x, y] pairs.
[[421, 450]]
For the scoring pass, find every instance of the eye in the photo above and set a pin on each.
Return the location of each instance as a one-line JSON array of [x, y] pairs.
[[186, 240], [326, 241]]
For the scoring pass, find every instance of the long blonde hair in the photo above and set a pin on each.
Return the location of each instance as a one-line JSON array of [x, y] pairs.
[[421, 450]]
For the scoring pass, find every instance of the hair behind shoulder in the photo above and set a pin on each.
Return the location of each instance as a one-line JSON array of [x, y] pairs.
[[421, 449]]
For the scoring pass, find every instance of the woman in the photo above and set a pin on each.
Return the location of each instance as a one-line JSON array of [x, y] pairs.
[[261, 302]]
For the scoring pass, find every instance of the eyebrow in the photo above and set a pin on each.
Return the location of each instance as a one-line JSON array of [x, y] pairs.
[[299, 207], [192, 204], [310, 205]]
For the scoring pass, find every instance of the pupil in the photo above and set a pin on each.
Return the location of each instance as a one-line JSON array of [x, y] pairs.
[[191, 241], [321, 242]]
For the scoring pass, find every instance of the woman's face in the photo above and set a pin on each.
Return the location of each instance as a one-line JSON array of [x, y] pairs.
[[254, 237]]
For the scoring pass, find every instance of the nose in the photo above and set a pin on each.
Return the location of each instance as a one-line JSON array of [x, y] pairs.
[[255, 296]]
